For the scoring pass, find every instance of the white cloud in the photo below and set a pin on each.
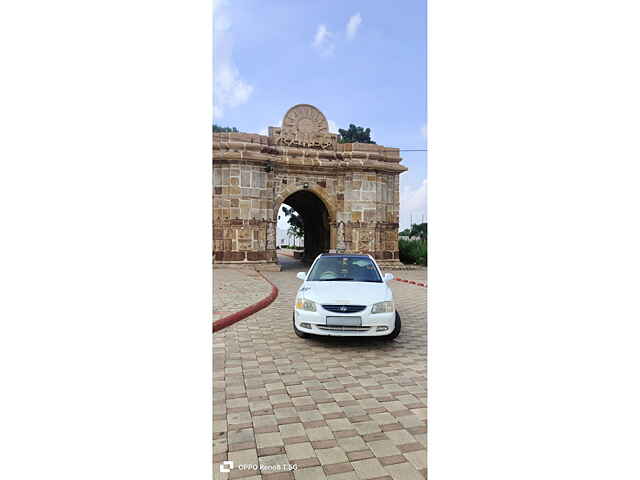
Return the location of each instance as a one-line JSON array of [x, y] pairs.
[[352, 25], [333, 128], [229, 88], [413, 202], [323, 41]]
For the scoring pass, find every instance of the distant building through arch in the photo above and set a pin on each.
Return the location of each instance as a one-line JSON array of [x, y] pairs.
[[348, 195]]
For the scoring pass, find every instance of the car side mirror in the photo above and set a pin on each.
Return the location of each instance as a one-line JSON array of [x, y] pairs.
[[302, 275], [388, 277]]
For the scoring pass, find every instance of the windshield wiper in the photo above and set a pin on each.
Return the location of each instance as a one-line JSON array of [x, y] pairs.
[[336, 279]]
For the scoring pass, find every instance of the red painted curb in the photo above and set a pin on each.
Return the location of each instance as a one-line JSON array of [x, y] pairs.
[[411, 282], [250, 310]]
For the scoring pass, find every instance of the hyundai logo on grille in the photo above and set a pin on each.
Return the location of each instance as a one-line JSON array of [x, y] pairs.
[[344, 308]]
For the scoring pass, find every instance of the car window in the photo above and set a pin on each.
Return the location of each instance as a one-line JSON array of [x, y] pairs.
[[346, 269]]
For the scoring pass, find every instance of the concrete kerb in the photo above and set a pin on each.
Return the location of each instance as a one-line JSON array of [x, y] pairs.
[[250, 310]]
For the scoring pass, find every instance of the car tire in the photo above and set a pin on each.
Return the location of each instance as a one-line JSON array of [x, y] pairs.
[[295, 329], [396, 329]]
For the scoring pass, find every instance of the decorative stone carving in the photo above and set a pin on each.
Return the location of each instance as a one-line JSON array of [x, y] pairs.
[[304, 126], [271, 236], [365, 240], [340, 237], [305, 118]]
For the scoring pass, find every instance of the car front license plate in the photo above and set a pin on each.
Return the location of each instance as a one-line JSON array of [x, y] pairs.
[[344, 321]]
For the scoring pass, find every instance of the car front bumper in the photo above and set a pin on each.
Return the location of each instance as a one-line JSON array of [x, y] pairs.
[[373, 325]]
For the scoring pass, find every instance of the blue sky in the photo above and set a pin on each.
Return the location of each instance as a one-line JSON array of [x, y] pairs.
[[361, 62]]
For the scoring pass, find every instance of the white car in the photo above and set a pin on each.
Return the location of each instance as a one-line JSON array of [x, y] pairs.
[[345, 295]]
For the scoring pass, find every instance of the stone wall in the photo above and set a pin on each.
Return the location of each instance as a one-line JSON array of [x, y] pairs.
[[358, 185]]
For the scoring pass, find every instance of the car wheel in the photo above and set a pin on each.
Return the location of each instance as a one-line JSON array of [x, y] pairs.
[[295, 329], [396, 329]]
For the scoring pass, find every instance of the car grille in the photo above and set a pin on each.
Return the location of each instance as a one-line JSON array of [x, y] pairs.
[[343, 329], [344, 308]]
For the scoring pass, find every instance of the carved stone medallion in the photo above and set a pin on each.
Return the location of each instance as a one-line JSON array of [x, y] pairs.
[[304, 126], [305, 119]]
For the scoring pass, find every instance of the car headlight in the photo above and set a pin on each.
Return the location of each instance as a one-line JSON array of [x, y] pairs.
[[382, 307], [308, 305]]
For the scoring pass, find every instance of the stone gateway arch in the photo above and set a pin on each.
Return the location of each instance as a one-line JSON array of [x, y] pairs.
[[347, 194]]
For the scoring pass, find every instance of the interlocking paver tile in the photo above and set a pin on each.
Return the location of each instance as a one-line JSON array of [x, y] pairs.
[[238, 418], [409, 421], [313, 473], [307, 462], [299, 450], [320, 433], [366, 427], [352, 444], [338, 424], [369, 468], [244, 457], [291, 430], [399, 437], [343, 476], [220, 426], [274, 460], [334, 468], [383, 448], [331, 455], [359, 455], [417, 458], [310, 415], [383, 418], [269, 440], [241, 436], [301, 401], [264, 420], [404, 471], [259, 405], [285, 412]]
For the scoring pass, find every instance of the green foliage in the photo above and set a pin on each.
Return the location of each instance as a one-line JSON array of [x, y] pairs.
[[354, 134], [218, 128], [413, 252], [296, 225], [418, 230]]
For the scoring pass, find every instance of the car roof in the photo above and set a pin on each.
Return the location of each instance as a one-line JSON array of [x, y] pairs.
[[355, 255]]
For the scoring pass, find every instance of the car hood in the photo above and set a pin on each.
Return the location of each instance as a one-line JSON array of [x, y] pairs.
[[346, 293]]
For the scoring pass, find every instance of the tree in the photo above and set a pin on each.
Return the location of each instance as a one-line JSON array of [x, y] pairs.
[[355, 134], [296, 225], [218, 128], [419, 230]]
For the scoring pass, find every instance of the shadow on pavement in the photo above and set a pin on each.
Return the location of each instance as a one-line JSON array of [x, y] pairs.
[[289, 263]]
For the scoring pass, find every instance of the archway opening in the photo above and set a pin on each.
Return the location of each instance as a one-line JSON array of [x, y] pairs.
[[315, 221]]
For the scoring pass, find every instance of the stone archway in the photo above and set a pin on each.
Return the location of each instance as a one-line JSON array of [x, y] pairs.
[[317, 218], [301, 162]]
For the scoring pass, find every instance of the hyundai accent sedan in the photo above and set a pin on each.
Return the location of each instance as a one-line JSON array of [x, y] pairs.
[[345, 295]]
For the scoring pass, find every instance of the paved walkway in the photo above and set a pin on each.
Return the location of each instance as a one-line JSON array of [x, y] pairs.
[[235, 289], [332, 408]]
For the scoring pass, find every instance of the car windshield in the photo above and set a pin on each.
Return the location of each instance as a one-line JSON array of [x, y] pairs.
[[344, 269]]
